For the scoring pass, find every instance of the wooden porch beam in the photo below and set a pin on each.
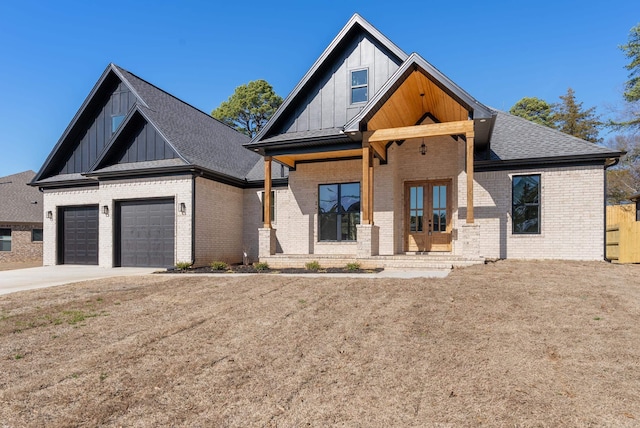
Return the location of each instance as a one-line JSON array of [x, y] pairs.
[[463, 127], [267, 192], [287, 160]]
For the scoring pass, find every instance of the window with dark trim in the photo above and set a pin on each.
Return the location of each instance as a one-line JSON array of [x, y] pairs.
[[338, 211], [525, 211], [273, 205], [36, 235], [638, 210], [5, 239], [359, 86]]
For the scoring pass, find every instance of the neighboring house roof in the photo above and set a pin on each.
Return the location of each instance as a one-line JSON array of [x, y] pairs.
[[20, 203], [199, 140]]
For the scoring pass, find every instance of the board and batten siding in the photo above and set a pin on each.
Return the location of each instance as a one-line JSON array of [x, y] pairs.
[[328, 101], [145, 144], [93, 138]]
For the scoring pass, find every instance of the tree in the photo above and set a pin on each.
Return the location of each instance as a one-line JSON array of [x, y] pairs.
[[249, 108], [631, 114], [632, 51], [535, 110], [571, 119]]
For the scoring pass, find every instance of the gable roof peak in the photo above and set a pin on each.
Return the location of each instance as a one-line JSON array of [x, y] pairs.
[[355, 20]]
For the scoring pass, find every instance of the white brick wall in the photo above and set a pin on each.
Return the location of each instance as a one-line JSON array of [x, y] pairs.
[[219, 226], [108, 193], [572, 215]]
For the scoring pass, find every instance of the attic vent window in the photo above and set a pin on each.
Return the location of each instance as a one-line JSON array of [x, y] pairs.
[[359, 86], [115, 122]]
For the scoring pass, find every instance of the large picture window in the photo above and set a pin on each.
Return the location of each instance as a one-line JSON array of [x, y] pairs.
[[526, 204], [5, 239], [339, 211]]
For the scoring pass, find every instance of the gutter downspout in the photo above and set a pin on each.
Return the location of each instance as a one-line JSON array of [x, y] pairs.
[[193, 219], [607, 165]]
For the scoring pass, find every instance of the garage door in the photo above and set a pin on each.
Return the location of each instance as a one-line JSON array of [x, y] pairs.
[[146, 233], [79, 232]]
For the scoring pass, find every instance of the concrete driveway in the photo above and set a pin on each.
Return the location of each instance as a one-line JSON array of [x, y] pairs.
[[48, 276]]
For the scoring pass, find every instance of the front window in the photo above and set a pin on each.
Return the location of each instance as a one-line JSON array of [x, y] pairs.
[[36, 235], [339, 211], [359, 86], [638, 210], [526, 204], [5, 239]]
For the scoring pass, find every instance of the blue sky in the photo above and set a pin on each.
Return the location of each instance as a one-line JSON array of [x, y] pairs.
[[52, 52]]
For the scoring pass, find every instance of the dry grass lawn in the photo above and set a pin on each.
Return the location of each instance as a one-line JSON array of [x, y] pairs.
[[505, 344]]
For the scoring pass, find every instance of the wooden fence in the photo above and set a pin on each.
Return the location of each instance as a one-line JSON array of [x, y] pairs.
[[623, 234]]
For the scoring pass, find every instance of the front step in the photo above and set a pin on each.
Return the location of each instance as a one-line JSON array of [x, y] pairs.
[[395, 262]]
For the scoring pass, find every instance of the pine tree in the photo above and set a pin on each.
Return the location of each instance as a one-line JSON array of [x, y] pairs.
[[571, 119]]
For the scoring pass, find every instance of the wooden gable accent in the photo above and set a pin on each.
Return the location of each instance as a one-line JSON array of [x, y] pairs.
[[417, 96]]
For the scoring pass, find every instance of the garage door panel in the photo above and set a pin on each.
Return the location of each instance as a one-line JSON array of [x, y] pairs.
[[80, 235], [147, 233]]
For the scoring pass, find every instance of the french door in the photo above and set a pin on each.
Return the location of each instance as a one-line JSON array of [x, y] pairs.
[[428, 215]]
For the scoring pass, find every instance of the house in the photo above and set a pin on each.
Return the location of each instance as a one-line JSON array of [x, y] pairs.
[[389, 157], [20, 219], [374, 156], [141, 178]]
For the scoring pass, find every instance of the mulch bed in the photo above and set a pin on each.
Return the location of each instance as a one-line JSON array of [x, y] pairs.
[[252, 269]]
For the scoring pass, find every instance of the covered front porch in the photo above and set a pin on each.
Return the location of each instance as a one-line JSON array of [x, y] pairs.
[[411, 151]]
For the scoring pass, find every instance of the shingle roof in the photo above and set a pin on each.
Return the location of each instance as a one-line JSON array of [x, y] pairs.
[[199, 138], [20, 203], [515, 138]]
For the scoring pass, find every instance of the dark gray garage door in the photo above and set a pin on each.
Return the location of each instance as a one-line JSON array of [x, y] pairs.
[[79, 233], [146, 233]]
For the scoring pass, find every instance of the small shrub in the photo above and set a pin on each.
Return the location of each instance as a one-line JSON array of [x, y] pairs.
[[353, 266], [261, 266], [183, 265], [219, 265], [313, 265]]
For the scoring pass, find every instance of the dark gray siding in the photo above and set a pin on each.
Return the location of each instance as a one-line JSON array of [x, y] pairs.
[[327, 101], [145, 144], [97, 132]]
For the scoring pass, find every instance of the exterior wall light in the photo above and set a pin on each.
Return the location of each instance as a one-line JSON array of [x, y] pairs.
[[105, 209], [50, 215], [183, 208], [423, 148]]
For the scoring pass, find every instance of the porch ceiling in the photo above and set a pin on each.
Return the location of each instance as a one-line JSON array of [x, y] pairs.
[[415, 97], [292, 159]]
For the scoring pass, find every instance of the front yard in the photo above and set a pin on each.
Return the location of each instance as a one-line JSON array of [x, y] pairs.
[[509, 343]]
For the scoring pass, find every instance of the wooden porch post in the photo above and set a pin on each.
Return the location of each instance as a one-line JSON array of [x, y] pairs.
[[366, 184], [470, 216], [371, 186], [267, 192]]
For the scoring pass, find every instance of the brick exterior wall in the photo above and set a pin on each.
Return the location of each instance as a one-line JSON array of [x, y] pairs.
[[179, 188], [219, 224], [572, 215], [572, 205], [23, 249]]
